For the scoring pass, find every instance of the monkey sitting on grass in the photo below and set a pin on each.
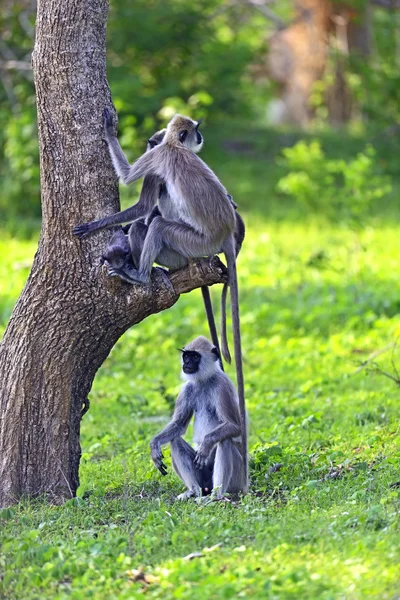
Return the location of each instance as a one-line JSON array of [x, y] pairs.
[[217, 464]]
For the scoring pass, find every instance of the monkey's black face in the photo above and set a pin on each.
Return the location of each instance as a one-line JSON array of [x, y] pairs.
[[155, 139], [191, 361], [115, 258], [190, 136]]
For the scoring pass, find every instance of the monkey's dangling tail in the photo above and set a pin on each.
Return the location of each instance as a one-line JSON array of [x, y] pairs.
[[239, 235], [224, 339], [211, 321], [229, 251]]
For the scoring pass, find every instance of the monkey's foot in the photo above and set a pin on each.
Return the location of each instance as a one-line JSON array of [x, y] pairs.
[[129, 274], [137, 276], [212, 498], [186, 495], [113, 272]]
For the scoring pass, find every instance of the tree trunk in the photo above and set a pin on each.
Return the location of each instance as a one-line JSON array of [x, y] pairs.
[[70, 313], [296, 59]]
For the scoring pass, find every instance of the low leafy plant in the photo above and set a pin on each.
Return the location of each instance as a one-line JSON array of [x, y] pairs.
[[341, 190]]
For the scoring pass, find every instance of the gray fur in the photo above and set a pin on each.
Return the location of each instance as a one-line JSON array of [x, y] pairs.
[[217, 462]]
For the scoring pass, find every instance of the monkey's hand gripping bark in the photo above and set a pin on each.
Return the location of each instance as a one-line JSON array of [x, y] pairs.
[[109, 124]]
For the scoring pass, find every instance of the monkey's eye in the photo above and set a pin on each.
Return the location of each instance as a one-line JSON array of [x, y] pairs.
[[183, 135], [151, 143], [190, 356]]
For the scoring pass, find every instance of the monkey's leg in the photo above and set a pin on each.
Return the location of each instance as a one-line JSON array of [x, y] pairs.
[[182, 455], [229, 475], [197, 481], [154, 213], [171, 235], [223, 467], [166, 258], [137, 235]]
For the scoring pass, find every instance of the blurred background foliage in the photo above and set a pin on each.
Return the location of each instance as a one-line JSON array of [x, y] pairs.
[[306, 66]]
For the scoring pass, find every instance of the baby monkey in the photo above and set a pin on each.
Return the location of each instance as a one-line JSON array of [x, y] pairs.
[[216, 463]]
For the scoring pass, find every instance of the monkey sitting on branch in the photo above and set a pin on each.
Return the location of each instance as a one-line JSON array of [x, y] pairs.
[[218, 464]]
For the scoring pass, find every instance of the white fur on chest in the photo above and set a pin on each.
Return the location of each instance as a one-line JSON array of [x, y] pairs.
[[176, 195], [205, 416]]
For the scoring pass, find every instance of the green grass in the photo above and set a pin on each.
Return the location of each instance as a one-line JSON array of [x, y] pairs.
[[316, 302]]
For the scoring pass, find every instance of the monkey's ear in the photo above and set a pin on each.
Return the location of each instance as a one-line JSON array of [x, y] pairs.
[[216, 353], [183, 135]]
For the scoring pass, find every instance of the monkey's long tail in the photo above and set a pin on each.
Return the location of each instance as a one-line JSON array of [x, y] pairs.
[[224, 338], [210, 318], [230, 254]]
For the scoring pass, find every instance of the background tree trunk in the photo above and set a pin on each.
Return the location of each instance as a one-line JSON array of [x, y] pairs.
[[298, 57], [70, 313]]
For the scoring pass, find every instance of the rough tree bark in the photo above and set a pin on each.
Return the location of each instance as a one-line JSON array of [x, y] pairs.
[[70, 313]]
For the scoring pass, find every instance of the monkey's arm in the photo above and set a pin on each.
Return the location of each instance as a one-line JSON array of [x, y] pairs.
[[219, 434], [119, 160], [175, 428], [148, 198], [126, 172]]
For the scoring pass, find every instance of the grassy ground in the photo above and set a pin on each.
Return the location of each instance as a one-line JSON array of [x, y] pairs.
[[316, 302]]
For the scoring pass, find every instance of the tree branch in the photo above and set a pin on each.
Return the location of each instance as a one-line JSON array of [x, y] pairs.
[[15, 65], [134, 303], [205, 271]]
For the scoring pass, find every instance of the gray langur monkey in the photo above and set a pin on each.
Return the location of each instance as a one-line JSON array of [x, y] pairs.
[[153, 191], [217, 462]]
